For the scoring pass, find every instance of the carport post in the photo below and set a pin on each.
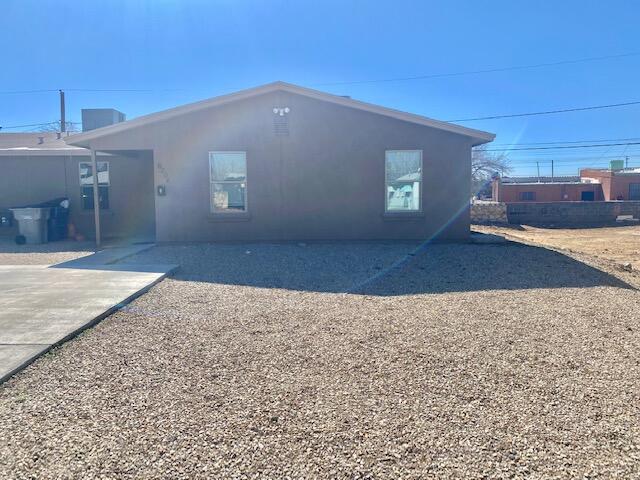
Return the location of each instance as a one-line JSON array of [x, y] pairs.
[[96, 196]]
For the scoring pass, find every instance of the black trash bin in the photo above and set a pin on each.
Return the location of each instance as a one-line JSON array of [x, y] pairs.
[[57, 225]]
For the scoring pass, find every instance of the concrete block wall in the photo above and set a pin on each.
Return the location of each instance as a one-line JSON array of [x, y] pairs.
[[570, 213], [488, 212]]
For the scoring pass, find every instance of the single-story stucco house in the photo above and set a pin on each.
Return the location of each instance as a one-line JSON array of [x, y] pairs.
[[280, 162]]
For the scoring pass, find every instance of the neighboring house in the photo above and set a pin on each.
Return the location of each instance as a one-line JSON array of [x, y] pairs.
[[282, 162], [623, 184], [590, 185], [547, 189]]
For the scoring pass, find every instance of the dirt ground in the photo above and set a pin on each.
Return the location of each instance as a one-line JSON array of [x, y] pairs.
[[318, 361], [617, 244]]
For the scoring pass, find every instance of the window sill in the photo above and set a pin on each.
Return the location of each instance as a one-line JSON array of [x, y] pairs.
[[229, 217], [399, 216]]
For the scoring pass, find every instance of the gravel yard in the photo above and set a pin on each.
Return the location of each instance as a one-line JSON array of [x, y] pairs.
[[45, 254], [467, 361]]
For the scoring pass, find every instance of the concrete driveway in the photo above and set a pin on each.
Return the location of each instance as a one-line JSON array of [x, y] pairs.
[[42, 306]]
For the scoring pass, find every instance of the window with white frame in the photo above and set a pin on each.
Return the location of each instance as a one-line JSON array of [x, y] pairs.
[[228, 178], [403, 180], [86, 185]]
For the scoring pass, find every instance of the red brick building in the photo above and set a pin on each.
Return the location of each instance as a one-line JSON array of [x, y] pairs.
[[616, 185], [591, 185]]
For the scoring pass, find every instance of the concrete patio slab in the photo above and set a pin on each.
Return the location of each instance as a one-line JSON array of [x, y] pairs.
[[42, 306], [16, 357], [107, 256]]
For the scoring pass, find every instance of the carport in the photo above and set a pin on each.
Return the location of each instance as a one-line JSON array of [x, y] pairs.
[[39, 167], [140, 199]]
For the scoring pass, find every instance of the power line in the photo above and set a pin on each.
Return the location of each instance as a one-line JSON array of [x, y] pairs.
[[574, 156], [494, 117], [548, 112], [118, 90], [44, 124], [601, 160], [565, 151], [140, 90], [568, 141], [568, 159], [475, 72], [563, 146], [27, 125], [12, 92], [355, 82]]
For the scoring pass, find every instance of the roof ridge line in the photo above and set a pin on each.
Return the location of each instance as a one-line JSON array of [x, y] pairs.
[[479, 135]]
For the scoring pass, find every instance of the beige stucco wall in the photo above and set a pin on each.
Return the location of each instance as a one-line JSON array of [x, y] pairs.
[[325, 180]]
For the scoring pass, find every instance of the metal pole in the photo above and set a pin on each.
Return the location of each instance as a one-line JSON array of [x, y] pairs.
[[552, 172], [538, 167], [96, 196], [63, 119]]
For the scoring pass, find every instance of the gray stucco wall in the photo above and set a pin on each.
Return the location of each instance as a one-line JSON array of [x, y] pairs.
[[325, 180], [33, 179]]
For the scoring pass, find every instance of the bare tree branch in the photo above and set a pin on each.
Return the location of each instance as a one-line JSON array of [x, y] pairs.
[[55, 127], [484, 166]]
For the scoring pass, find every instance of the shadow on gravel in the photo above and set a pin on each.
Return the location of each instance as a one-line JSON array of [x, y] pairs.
[[492, 267], [365, 268]]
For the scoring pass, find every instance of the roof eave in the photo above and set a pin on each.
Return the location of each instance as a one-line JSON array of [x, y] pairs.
[[478, 137], [10, 152]]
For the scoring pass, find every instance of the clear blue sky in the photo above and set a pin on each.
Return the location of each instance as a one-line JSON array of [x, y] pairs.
[[189, 50]]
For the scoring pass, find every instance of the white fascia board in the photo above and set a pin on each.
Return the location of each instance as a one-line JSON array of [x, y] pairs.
[[54, 152]]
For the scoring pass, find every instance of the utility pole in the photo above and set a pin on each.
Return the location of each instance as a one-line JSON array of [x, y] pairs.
[[63, 120], [538, 167], [552, 172]]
